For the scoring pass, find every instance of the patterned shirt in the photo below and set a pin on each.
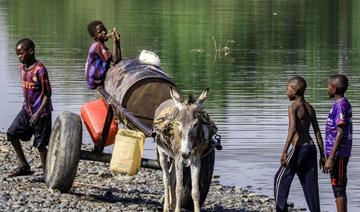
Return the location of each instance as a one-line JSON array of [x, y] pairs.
[[340, 115], [35, 85], [97, 64]]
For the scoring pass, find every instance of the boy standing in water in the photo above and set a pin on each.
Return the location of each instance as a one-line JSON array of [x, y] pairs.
[[35, 115], [338, 138], [99, 57], [301, 159]]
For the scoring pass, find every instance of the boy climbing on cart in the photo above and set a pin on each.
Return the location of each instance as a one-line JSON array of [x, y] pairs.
[[99, 56]]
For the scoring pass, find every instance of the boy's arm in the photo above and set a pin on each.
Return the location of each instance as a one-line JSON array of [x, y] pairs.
[[319, 140], [291, 133], [36, 115], [329, 162], [46, 90], [116, 56]]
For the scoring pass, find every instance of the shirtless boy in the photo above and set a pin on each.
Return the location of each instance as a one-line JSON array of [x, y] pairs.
[[301, 159]]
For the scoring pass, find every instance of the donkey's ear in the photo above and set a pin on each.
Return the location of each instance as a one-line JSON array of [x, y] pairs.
[[203, 96], [177, 98]]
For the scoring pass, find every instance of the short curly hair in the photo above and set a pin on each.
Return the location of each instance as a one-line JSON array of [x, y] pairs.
[[92, 27], [26, 43], [340, 81], [300, 84]]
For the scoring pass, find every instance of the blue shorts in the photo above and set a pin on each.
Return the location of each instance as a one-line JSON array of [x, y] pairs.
[[338, 176], [20, 129]]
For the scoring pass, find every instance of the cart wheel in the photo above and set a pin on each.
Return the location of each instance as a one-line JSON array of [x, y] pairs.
[[207, 168], [64, 152]]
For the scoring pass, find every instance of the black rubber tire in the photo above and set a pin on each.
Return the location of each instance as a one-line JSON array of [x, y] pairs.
[[64, 152], [206, 172]]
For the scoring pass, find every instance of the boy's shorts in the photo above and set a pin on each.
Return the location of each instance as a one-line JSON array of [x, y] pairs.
[[21, 129], [338, 176]]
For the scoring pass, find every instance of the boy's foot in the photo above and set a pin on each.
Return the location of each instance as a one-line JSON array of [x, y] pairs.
[[21, 171]]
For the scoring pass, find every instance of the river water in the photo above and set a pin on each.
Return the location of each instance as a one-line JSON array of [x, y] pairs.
[[243, 50]]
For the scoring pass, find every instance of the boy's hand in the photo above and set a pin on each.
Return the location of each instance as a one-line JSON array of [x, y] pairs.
[[328, 165], [115, 35], [283, 159], [322, 162], [34, 118]]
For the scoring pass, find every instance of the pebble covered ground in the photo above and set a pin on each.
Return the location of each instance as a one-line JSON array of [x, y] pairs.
[[96, 188]]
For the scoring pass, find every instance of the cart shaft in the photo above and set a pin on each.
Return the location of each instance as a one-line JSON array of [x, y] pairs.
[[124, 112], [106, 158]]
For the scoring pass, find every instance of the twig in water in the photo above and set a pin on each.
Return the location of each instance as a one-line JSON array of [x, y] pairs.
[[216, 51]]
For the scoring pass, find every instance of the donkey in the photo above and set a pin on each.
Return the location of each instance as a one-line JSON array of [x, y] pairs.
[[185, 145]]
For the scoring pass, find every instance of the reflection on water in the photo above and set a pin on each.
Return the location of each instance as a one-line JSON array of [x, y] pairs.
[[268, 42]]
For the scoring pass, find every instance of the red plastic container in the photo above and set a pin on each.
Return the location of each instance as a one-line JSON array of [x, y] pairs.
[[93, 115]]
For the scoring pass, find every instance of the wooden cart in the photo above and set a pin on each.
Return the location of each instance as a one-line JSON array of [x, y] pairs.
[[133, 91]]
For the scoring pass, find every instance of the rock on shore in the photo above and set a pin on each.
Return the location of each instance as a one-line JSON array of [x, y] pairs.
[[97, 189]]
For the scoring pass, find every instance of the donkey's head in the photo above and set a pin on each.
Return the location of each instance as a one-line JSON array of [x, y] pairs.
[[187, 124]]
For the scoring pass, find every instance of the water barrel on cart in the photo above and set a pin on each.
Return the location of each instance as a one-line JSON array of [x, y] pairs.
[[140, 88]]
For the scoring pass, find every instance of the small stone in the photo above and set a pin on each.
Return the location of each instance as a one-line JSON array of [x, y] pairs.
[[264, 200], [104, 174], [4, 198], [252, 195], [108, 193], [102, 210], [131, 207]]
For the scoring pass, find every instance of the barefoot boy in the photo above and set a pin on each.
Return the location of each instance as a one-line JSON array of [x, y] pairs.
[[99, 57], [35, 115], [338, 138], [301, 159]]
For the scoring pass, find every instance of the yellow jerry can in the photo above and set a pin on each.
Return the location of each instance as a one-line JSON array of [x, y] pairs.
[[127, 152]]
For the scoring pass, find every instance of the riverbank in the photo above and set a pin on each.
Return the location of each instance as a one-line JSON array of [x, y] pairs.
[[96, 188]]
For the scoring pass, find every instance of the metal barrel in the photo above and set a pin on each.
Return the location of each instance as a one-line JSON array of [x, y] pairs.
[[140, 88]]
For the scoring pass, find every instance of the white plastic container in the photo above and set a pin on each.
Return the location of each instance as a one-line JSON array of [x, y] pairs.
[[148, 57]]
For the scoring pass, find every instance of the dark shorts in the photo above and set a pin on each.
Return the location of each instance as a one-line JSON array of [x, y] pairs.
[[338, 176], [21, 129]]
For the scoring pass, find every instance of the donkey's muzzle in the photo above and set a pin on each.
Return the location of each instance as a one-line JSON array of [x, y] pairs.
[[185, 154]]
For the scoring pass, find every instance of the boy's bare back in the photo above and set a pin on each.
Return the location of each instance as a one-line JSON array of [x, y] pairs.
[[304, 116], [301, 116]]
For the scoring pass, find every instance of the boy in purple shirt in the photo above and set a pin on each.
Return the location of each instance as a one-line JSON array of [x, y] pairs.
[[338, 138], [99, 57], [35, 115]]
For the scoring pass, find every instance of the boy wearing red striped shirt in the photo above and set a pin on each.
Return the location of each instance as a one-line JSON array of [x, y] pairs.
[[34, 119]]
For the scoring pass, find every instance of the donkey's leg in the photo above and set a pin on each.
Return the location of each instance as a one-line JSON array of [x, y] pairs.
[[163, 159], [195, 176], [172, 185], [179, 167]]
